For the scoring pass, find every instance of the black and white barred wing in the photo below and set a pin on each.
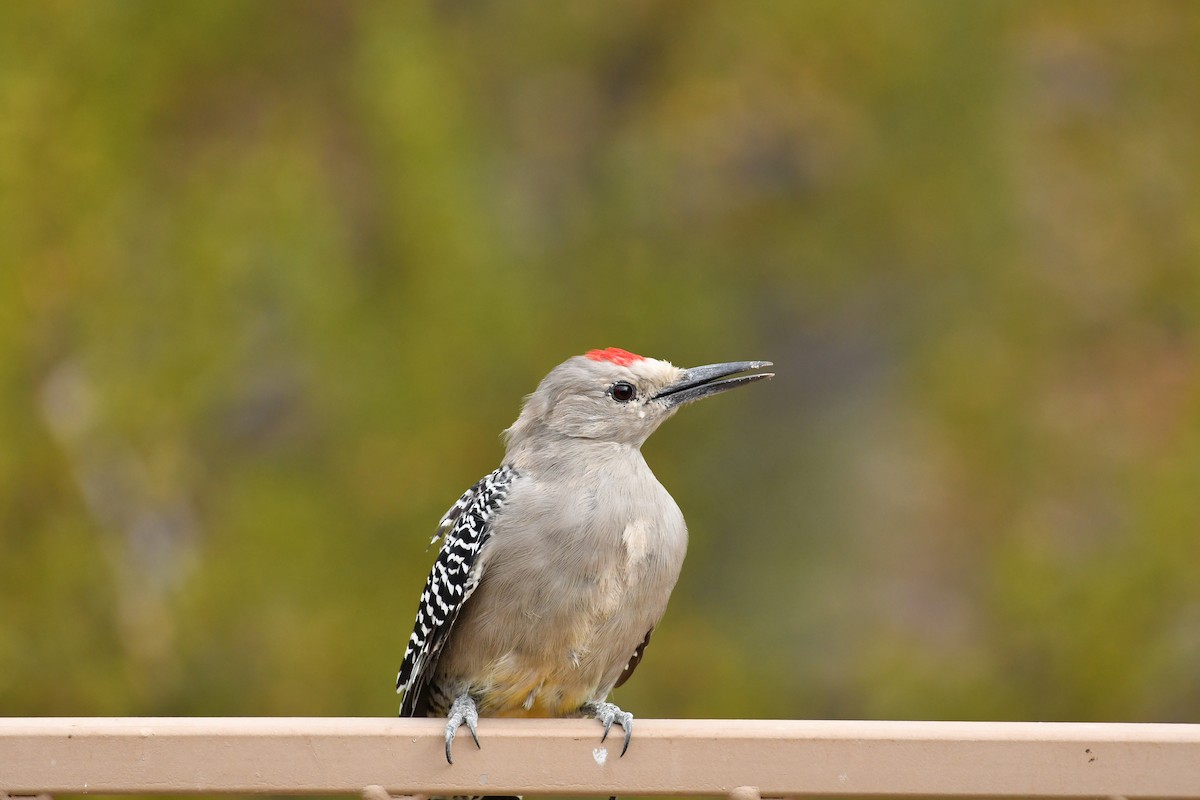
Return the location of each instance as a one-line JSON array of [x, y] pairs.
[[466, 527]]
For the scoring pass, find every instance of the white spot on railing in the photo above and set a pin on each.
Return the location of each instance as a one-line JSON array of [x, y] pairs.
[[601, 755]]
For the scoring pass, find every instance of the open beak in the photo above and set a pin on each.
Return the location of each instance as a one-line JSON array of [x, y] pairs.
[[699, 382]]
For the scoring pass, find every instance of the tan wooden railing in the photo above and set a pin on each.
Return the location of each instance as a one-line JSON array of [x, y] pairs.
[[737, 758]]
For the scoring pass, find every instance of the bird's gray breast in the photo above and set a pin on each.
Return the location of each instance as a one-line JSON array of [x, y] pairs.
[[577, 570]]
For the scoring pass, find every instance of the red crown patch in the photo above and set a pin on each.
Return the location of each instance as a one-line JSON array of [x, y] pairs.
[[615, 355]]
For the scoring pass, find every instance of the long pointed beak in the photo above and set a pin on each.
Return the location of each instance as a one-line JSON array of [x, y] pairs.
[[699, 382]]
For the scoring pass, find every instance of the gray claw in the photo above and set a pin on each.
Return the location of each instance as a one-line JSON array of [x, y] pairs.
[[461, 711], [607, 714]]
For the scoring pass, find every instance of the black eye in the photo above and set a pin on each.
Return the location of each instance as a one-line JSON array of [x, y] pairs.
[[622, 392]]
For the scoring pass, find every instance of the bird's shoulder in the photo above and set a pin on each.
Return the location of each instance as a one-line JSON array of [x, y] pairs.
[[471, 512]]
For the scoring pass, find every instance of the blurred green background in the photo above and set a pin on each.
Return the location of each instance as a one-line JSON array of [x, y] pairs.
[[275, 275]]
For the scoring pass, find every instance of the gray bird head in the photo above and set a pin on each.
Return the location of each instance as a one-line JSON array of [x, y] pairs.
[[616, 396]]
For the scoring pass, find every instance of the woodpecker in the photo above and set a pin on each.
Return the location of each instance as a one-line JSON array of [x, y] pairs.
[[555, 568]]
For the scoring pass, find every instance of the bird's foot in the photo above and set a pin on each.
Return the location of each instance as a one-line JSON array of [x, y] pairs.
[[608, 713], [461, 711]]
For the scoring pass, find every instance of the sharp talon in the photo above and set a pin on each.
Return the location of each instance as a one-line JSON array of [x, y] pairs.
[[606, 714], [474, 733], [461, 711], [451, 728]]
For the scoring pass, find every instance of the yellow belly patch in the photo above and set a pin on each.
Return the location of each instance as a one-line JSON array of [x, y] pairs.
[[514, 692]]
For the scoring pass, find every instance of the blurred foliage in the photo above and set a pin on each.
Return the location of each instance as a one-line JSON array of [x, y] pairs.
[[276, 274]]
